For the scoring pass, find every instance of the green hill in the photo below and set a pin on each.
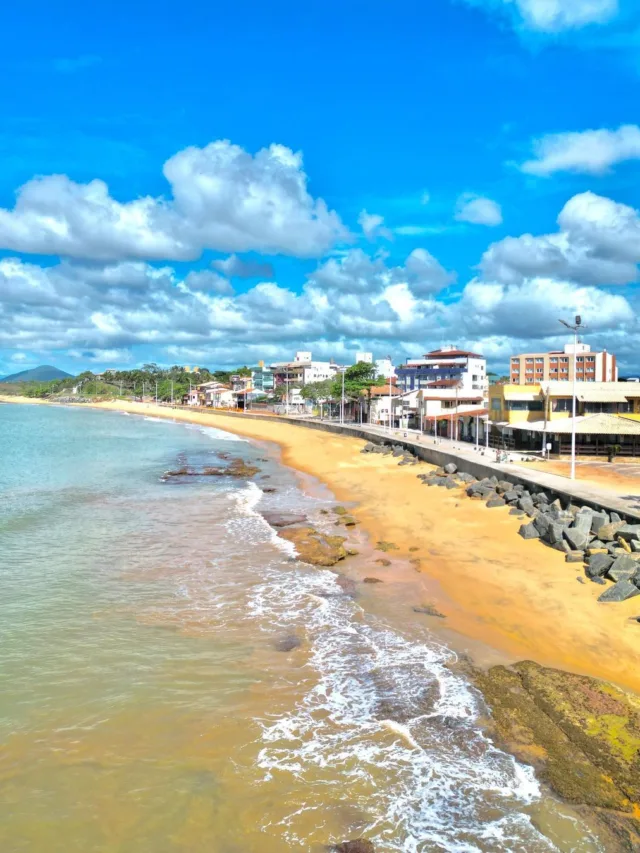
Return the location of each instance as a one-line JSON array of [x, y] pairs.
[[44, 373]]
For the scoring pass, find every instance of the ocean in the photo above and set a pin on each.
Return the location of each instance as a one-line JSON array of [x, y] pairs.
[[151, 701]]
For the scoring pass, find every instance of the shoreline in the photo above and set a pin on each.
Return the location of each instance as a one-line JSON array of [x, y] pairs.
[[497, 590]]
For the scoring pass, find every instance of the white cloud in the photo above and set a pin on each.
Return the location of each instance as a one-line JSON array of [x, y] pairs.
[[591, 152], [598, 243], [223, 199], [19, 357], [478, 210], [554, 16], [207, 281], [372, 225], [235, 267]]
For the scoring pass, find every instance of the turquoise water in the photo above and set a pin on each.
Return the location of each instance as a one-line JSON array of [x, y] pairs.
[[144, 705]]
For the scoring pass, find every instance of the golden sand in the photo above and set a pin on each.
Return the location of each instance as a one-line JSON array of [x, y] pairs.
[[517, 596]]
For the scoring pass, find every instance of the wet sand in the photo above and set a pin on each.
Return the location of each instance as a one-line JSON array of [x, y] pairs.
[[518, 597]]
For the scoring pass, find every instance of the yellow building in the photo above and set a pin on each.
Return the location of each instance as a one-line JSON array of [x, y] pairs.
[[528, 417]]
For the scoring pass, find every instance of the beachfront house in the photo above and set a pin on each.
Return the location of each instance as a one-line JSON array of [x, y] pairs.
[[303, 370], [530, 417]]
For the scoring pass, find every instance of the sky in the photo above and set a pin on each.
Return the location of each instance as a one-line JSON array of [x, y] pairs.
[[215, 184]]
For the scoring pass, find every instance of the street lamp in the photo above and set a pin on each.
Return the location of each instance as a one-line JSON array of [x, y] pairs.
[[390, 372], [575, 328], [342, 370]]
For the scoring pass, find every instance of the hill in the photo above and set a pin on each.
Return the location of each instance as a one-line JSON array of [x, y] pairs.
[[44, 373]]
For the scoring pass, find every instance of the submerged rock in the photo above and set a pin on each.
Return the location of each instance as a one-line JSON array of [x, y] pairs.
[[288, 643], [360, 845], [372, 580], [283, 519], [429, 610], [315, 547]]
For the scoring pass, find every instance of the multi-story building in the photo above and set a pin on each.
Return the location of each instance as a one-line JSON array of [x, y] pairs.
[[263, 379], [534, 367], [303, 370], [384, 366], [446, 368]]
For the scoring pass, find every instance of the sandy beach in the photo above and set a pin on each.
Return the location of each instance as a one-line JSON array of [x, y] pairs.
[[518, 597]]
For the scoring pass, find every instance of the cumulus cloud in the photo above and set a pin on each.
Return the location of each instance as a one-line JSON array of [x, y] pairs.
[[478, 210], [208, 281], [553, 16], [235, 267], [590, 152], [598, 243], [223, 198], [372, 225]]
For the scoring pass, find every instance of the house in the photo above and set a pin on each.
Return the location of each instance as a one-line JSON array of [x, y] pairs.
[[380, 397], [532, 416], [534, 367], [446, 369]]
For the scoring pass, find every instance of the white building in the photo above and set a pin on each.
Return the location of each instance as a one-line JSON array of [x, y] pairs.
[[303, 370], [446, 369]]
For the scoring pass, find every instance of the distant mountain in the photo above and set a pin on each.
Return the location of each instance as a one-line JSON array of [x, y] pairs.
[[44, 373]]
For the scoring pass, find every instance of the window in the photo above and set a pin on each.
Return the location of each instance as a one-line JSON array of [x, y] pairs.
[[524, 405], [564, 360], [529, 360], [539, 360], [553, 360], [562, 404]]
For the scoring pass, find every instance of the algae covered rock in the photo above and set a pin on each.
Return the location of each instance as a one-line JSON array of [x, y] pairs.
[[582, 734], [315, 547]]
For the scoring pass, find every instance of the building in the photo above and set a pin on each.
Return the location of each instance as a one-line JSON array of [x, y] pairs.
[[531, 416], [535, 367], [380, 397], [303, 370], [263, 379], [446, 368], [384, 366]]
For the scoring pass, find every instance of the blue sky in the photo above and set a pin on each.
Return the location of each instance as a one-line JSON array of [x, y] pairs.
[[372, 170]]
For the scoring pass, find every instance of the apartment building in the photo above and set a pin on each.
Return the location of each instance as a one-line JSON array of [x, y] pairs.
[[303, 370], [384, 366], [448, 368], [535, 367]]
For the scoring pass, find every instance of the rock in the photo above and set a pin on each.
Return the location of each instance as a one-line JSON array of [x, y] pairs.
[[622, 568], [450, 468], [381, 545], [621, 591], [563, 546], [598, 519], [555, 532], [576, 538], [283, 519], [582, 734], [601, 581], [580, 580], [582, 522], [511, 495], [268, 490], [624, 545], [503, 486], [516, 511], [540, 498], [635, 545], [397, 452], [629, 531], [574, 557], [360, 845], [493, 502], [615, 518], [340, 510], [383, 562], [288, 643], [372, 580], [466, 478], [450, 484], [429, 610], [529, 531], [314, 547], [526, 505], [542, 523], [368, 448], [599, 565], [607, 532]]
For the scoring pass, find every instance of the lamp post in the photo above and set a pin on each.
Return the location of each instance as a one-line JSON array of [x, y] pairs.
[[575, 328], [390, 410], [342, 370]]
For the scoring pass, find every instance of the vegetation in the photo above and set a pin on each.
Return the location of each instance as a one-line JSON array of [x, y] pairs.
[[170, 382]]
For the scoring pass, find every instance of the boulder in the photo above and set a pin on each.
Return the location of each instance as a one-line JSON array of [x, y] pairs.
[[288, 643], [511, 496], [607, 532], [576, 538], [497, 501], [450, 468], [542, 523], [529, 531], [283, 519], [635, 545], [450, 483], [466, 478], [629, 532], [526, 505], [516, 511], [555, 533], [623, 567], [598, 519], [503, 486], [599, 580], [368, 448], [540, 498], [615, 517], [397, 451], [621, 591], [599, 565], [582, 522], [429, 610]]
